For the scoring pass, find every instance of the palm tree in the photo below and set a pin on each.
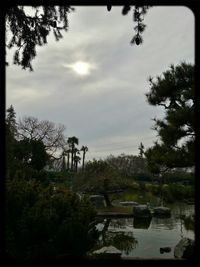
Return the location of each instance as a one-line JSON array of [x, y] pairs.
[[63, 163], [72, 141], [84, 149], [77, 160], [68, 151], [76, 151]]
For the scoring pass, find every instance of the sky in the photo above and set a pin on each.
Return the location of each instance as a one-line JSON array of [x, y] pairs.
[[94, 82]]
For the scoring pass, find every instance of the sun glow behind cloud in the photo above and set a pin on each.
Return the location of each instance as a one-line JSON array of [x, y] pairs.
[[79, 67], [110, 92]]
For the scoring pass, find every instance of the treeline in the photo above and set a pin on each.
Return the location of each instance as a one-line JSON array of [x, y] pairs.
[[135, 167], [112, 176], [33, 145]]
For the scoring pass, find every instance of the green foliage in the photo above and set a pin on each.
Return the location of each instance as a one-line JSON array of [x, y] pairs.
[[11, 121], [168, 194], [27, 31], [179, 176], [42, 223], [175, 91], [31, 153], [172, 192], [155, 189], [99, 176], [141, 150], [44, 219], [180, 191], [138, 17], [30, 145], [142, 186], [10, 129]]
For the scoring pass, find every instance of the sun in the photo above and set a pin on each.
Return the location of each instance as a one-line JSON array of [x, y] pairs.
[[82, 68]]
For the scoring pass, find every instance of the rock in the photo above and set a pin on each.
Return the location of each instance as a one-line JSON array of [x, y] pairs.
[[161, 212], [141, 211], [107, 253], [129, 203], [184, 249], [165, 249], [141, 223], [98, 201]]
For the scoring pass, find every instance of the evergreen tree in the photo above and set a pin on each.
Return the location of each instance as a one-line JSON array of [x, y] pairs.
[[174, 90], [27, 30], [141, 149], [11, 133], [11, 121], [31, 153]]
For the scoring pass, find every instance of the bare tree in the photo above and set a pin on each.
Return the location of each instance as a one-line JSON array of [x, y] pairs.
[[48, 132]]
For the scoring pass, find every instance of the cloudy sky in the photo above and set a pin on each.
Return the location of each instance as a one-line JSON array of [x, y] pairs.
[[102, 100]]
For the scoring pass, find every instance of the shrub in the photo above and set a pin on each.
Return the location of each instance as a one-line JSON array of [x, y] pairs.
[[167, 194], [142, 186], [155, 189], [42, 224], [178, 192]]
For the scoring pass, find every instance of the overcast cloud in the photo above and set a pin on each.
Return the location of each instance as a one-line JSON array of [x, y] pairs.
[[106, 109]]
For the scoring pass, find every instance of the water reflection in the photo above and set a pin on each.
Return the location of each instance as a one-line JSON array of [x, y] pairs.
[[144, 238], [141, 223], [122, 240], [164, 223]]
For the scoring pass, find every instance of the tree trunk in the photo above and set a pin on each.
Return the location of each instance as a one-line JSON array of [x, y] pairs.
[[63, 164], [67, 160], [83, 164], [72, 159], [76, 166], [107, 199], [161, 190]]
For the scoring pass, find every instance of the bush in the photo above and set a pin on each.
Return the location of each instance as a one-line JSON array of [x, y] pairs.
[[42, 223], [142, 186], [174, 192], [167, 194], [155, 189]]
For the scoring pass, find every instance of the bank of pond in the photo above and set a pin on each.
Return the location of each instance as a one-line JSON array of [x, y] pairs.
[[146, 238], [49, 222], [143, 237]]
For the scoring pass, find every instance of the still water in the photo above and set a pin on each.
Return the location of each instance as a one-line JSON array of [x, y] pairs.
[[143, 239]]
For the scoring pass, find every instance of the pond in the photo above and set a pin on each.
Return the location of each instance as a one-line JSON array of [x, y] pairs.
[[143, 239]]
